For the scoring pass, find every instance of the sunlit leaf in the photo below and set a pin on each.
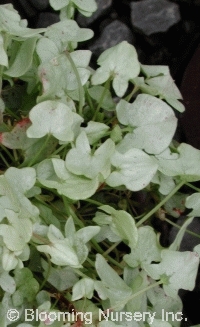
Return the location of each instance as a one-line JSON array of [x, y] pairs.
[[52, 117], [13, 186], [65, 32], [81, 161], [134, 169], [54, 174], [176, 269], [153, 122], [186, 165], [112, 66]]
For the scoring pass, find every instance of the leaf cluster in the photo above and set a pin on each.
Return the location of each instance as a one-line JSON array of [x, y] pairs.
[[77, 152]]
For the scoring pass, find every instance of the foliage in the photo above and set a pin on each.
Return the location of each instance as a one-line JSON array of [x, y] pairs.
[[78, 147]]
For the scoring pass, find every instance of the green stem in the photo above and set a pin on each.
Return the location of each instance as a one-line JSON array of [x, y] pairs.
[[81, 89], [70, 212], [179, 227], [47, 275], [106, 87], [4, 160], [129, 96], [94, 202], [136, 294], [9, 128], [99, 250], [69, 7], [59, 149], [111, 248], [12, 113], [34, 160], [8, 153], [90, 262], [193, 187], [78, 272], [89, 100], [160, 204]]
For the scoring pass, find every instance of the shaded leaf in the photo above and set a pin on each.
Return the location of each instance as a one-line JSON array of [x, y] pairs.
[[118, 296], [96, 93], [123, 225], [146, 250], [23, 60], [193, 202], [11, 23]]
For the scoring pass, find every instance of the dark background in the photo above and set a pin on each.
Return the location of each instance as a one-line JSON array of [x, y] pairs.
[[164, 32]]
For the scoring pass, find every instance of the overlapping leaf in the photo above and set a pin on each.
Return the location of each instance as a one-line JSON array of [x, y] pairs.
[[55, 118], [83, 288], [119, 295], [159, 299], [17, 233], [60, 249], [176, 269], [186, 164], [122, 224], [166, 183], [54, 174], [58, 4], [7, 283], [155, 70], [66, 32], [60, 278], [24, 58], [165, 87], [13, 259], [159, 82], [13, 187], [119, 63], [134, 169], [146, 250], [11, 23], [70, 250], [96, 93], [81, 161], [153, 121], [95, 131], [27, 286], [86, 8], [31, 147], [57, 75], [193, 202]]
